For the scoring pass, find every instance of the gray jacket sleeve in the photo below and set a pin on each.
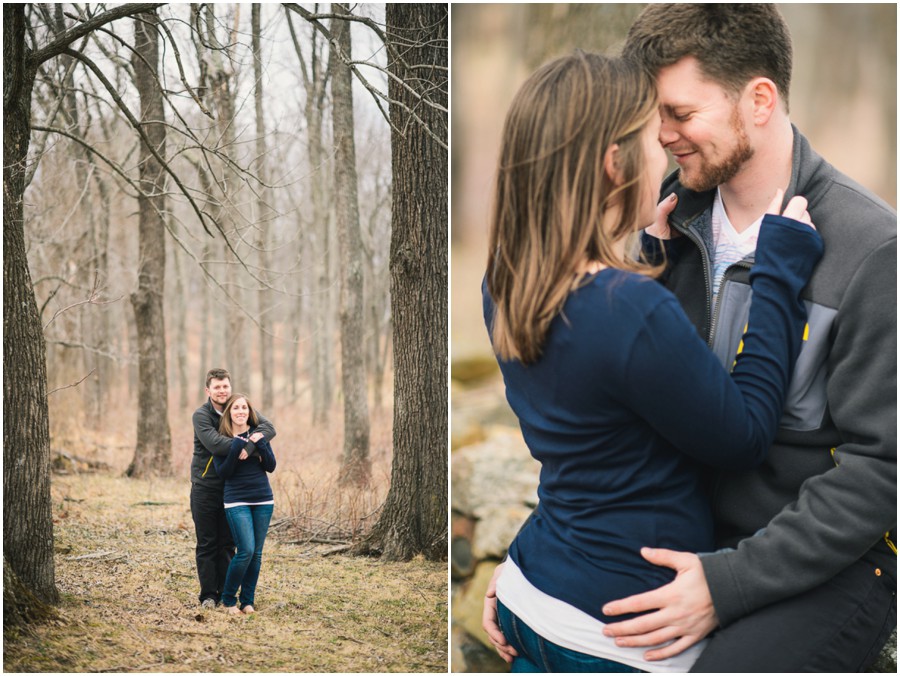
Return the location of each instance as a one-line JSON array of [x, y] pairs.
[[266, 427], [842, 513], [207, 431]]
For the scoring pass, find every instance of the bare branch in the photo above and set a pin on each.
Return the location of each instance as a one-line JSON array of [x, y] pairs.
[[61, 44], [190, 90], [137, 126], [66, 387], [91, 300], [315, 20]]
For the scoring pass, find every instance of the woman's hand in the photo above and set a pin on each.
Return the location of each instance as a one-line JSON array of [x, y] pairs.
[[256, 436], [796, 208], [490, 623], [244, 455], [660, 227]]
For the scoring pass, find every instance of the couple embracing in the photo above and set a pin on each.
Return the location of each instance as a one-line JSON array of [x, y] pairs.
[[231, 499], [716, 418]]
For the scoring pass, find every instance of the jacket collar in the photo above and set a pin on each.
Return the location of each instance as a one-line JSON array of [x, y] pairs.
[[807, 172]]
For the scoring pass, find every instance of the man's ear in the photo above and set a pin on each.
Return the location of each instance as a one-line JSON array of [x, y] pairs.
[[611, 165], [764, 98]]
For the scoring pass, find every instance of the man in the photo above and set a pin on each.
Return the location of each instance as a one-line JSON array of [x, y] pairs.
[[809, 580], [215, 546]]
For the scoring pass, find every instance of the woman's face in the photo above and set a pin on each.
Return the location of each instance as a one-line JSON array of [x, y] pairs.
[[240, 411], [656, 163]]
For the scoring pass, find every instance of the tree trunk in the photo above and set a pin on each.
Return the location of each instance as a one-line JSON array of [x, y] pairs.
[[88, 274], [178, 306], [103, 340], [414, 518], [153, 452], [27, 510], [355, 464], [319, 359], [263, 222], [221, 82], [20, 605]]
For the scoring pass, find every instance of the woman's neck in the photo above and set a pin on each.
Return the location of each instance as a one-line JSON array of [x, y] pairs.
[[240, 429]]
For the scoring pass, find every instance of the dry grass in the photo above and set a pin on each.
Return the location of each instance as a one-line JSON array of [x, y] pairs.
[[125, 566], [126, 573]]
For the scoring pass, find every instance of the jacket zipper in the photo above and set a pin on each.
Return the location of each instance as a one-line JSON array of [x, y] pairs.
[[715, 318], [683, 229], [710, 318]]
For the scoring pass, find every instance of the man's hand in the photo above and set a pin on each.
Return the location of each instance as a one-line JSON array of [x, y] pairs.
[[660, 227], [489, 619], [243, 455], [684, 610]]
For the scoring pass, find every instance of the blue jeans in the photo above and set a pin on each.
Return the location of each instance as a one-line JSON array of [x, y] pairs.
[[249, 525], [538, 655]]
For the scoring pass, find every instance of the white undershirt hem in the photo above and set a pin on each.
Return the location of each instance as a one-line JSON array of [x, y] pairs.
[[248, 504], [569, 627]]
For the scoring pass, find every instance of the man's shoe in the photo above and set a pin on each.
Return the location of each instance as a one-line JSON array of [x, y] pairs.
[[208, 604]]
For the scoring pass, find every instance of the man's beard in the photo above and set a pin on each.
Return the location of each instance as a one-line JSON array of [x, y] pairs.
[[712, 175]]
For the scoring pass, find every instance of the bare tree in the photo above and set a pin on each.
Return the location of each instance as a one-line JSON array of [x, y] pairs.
[[179, 311], [89, 242], [414, 517], [263, 220], [220, 78], [27, 523], [315, 73], [377, 277], [355, 464], [415, 514], [153, 452]]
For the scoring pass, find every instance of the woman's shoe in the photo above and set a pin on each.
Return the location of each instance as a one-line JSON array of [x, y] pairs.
[[248, 610], [232, 610]]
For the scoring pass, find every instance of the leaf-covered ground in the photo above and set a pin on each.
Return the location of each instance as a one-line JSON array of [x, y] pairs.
[[125, 570]]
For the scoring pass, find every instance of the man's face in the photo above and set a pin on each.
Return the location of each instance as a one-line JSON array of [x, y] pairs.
[[702, 126], [218, 391]]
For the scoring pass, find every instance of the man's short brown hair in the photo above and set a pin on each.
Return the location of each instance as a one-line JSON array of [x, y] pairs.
[[733, 43], [217, 374]]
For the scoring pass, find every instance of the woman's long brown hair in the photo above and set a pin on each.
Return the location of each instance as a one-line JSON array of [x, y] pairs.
[[552, 190], [225, 427]]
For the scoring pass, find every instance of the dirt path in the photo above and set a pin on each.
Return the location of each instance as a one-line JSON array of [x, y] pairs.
[[125, 570]]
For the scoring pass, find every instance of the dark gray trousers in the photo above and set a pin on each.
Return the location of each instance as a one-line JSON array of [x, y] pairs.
[[840, 626], [215, 546]]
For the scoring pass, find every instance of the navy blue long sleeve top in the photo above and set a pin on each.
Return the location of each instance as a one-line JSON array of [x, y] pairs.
[[626, 403], [246, 481]]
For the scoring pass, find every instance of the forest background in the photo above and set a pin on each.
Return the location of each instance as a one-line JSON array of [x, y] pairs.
[[257, 187]]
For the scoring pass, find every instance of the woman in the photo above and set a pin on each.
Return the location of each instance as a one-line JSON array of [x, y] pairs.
[[248, 500], [616, 395]]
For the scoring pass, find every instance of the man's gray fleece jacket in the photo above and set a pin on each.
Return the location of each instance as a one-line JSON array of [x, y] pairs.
[[208, 442], [827, 493]]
